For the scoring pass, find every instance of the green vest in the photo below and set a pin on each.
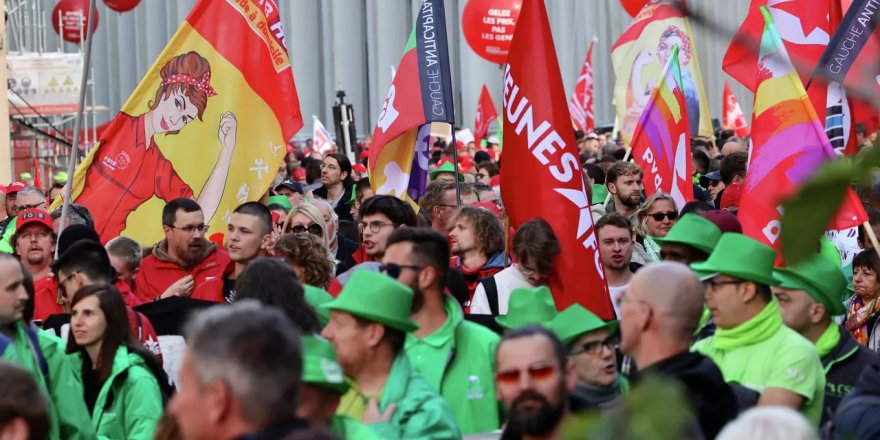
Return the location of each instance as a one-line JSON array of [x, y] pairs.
[[6, 240], [458, 360], [68, 416], [136, 404]]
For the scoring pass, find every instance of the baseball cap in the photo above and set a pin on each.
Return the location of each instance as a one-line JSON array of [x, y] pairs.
[[33, 216], [291, 185], [15, 187], [359, 168]]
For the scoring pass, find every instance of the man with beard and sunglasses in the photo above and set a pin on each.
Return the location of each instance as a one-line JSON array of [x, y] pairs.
[[184, 263], [624, 181], [534, 382], [447, 351]]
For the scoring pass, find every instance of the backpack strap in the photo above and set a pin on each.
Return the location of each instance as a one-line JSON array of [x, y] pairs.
[[140, 326], [34, 343], [491, 288]]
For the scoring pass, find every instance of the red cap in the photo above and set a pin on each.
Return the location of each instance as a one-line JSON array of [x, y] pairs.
[[299, 174], [365, 154], [491, 207], [359, 168], [731, 196], [34, 215], [725, 220], [15, 187]]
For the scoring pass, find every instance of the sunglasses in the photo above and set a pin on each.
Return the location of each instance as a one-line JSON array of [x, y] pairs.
[[535, 373], [314, 229], [659, 216], [595, 347], [393, 270]]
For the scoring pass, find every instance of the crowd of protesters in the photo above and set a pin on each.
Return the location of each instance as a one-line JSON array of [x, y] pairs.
[[326, 311]]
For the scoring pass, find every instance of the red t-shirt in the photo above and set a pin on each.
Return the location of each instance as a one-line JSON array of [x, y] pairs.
[[46, 298], [126, 171]]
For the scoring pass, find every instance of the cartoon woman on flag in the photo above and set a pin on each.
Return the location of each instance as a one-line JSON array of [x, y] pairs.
[[127, 167]]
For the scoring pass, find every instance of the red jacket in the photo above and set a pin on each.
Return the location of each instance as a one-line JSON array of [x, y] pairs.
[[46, 298], [158, 273]]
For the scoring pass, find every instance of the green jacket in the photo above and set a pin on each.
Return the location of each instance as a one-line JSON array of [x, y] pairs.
[[136, 403], [458, 360], [348, 428], [68, 416], [420, 414], [6, 239]]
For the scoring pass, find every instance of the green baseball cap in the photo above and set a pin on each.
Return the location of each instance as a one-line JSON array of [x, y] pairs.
[[695, 231], [741, 257], [280, 200], [446, 167], [316, 297], [376, 297], [528, 306], [575, 321], [819, 277], [320, 366], [61, 176]]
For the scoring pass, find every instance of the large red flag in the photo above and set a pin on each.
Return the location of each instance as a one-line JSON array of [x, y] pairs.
[[542, 174], [733, 115], [486, 113], [581, 105]]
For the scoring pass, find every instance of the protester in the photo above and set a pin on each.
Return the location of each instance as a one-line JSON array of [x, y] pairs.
[[534, 381], [125, 256], [369, 321], [855, 416], [240, 376], [591, 345], [307, 255], [653, 220], [808, 296], [439, 204], [292, 190], [184, 263], [120, 390], [864, 309], [477, 245], [528, 306], [733, 170], [337, 184], [615, 236], [363, 191], [534, 249], [340, 247], [486, 170], [690, 240], [42, 355], [306, 218], [451, 354], [11, 209], [445, 171], [380, 216], [77, 215], [24, 412], [34, 244], [273, 283], [659, 314], [248, 237], [752, 347], [624, 181]]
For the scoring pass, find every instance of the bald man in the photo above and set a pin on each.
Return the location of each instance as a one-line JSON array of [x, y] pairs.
[[659, 314]]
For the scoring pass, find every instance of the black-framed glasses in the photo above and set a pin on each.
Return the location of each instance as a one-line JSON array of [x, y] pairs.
[[595, 347], [20, 208], [375, 226], [189, 229], [659, 216], [715, 283], [314, 229], [393, 270], [62, 291]]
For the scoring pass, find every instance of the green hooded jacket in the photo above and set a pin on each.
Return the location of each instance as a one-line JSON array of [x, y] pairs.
[[68, 416], [129, 404], [348, 428]]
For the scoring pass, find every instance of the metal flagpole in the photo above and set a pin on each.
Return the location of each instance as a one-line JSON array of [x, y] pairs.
[[78, 120], [455, 167]]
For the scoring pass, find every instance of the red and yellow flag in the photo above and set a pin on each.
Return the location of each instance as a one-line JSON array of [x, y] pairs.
[[210, 121]]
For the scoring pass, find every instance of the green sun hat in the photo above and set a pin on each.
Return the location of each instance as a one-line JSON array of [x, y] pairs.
[[741, 257], [819, 277], [575, 321], [446, 167], [320, 366], [695, 231], [376, 297], [280, 200], [316, 297], [528, 306]]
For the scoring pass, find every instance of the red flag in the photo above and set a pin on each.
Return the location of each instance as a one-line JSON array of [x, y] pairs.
[[581, 105], [733, 114], [486, 113], [542, 174], [38, 176]]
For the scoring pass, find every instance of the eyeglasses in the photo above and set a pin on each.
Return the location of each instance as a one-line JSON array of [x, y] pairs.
[[659, 216], [314, 229], [20, 208], [595, 347], [535, 372], [393, 270], [62, 291], [375, 226], [717, 283], [189, 229]]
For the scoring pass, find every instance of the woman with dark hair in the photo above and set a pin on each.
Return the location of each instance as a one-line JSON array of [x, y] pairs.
[[863, 311], [337, 181], [272, 282], [119, 386]]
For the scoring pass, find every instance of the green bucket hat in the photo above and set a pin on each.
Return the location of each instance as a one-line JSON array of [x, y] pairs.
[[447, 167], [376, 297], [280, 200], [819, 277], [575, 321], [316, 297], [695, 231], [742, 257], [528, 306], [600, 193], [320, 366]]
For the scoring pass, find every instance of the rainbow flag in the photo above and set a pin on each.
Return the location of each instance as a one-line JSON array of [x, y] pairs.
[[661, 142], [788, 145], [209, 121], [420, 93]]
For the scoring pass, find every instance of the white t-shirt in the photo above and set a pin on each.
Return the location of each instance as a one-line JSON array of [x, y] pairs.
[[506, 280], [616, 292]]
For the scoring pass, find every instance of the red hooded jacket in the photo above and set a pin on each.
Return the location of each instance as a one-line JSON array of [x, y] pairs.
[[159, 272]]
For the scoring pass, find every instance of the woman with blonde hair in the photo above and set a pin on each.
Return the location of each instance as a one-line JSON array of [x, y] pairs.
[[307, 218], [654, 219]]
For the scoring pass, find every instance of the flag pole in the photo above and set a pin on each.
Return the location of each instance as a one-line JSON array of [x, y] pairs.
[[455, 166], [873, 237], [625, 158], [78, 120]]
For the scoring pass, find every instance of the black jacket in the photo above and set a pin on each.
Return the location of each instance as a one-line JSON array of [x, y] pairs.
[[858, 419], [344, 251], [842, 369], [342, 210], [712, 399]]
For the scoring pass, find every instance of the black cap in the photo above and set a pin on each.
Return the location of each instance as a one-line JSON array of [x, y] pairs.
[[291, 185]]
